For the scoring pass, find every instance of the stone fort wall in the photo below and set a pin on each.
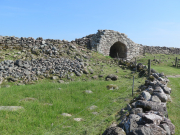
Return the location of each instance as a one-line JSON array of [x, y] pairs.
[[102, 41], [161, 50]]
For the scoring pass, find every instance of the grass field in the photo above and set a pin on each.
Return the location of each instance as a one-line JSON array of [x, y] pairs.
[[43, 115], [40, 119]]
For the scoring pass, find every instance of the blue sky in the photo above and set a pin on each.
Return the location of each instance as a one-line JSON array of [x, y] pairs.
[[147, 22]]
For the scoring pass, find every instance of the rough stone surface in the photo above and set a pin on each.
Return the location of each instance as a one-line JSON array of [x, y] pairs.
[[103, 40], [11, 108], [150, 105], [148, 129], [114, 130], [112, 77], [155, 99], [136, 110], [146, 95], [66, 114]]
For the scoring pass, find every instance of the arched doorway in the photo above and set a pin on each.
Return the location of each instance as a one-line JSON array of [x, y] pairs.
[[118, 50]]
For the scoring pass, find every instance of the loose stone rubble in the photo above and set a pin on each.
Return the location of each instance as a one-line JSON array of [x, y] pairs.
[[29, 70]]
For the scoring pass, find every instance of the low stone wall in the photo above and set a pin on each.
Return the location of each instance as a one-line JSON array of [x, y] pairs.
[[161, 50], [147, 114], [49, 46]]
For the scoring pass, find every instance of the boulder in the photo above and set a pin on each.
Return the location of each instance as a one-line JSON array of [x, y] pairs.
[[77, 73], [66, 114], [131, 122], [100, 76], [61, 81], [161, 74], [171, 126], [150, 90], [153, 71], [114, 130], [165, 89], [155, 75], [88, 91], [78, 119], [155, 98], [85, 71], [150, 105], [92, 107], [112, 87], [150, 118], [112, 77], [146, 95], [94, 77], [161, 96], [148, 129], [55, 77], [19, 63], [166, 128], [139, 66], [136, 111]]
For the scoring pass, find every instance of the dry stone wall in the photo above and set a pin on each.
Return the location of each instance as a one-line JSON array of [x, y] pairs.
[[147, 114], [161, 50], [39, 45], [102, 42], [104, 39]]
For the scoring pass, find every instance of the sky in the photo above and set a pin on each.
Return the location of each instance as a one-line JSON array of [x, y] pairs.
[[147, 22]]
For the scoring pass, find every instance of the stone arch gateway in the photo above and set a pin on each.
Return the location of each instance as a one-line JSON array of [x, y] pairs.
[[118, 50], [111, 43]]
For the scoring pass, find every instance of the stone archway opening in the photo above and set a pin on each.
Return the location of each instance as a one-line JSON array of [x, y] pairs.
[[118, 50]]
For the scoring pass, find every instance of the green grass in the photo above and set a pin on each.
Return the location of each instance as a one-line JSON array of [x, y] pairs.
[[174, 107], [38, 118]]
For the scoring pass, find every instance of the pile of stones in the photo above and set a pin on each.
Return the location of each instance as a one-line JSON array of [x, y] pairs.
[[54, 57], [147, 114], [29, 70]]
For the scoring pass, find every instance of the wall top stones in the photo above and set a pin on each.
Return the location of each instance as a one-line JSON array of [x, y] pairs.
[[101, 41]]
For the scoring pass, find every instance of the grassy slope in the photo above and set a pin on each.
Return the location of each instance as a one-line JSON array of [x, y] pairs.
[[38, 118], [44, 119], [174, 107]]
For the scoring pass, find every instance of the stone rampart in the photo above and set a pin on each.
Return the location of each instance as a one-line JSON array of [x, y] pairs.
[[107, 42], [161, 50], [104, 40], [10, 42]]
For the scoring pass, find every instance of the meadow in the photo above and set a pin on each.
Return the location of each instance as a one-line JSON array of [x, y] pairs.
[[45, 101]]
